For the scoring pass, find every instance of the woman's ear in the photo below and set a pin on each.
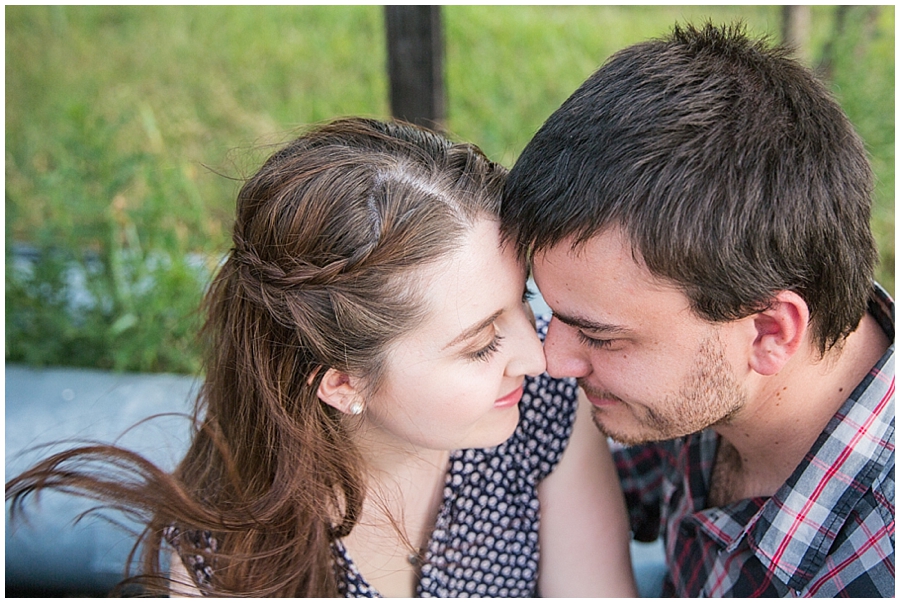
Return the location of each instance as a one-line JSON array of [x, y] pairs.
[[339, 390], [780, 331]]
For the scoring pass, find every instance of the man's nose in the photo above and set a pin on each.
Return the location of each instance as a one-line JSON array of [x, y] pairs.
[[564, 352]]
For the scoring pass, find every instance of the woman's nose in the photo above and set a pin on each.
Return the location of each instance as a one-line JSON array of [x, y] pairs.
[[527, 353]]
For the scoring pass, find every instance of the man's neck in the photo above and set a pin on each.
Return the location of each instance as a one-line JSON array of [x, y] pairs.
[[762, 446]]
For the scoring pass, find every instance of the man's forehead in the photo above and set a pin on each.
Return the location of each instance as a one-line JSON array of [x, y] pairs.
[[606, 259], [610, 241]]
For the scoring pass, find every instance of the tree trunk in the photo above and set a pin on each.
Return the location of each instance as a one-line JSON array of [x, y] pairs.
[[416, 64], [795, 28]]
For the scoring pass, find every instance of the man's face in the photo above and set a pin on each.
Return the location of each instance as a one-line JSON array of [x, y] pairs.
[[652, 369]]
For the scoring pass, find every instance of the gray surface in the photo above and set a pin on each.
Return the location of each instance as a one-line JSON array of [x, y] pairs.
[[46, 406]]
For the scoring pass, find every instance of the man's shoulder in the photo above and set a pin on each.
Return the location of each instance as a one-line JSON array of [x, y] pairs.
[[844, 489], [860, 562]]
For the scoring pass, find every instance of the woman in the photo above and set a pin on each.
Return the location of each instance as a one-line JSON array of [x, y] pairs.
[[368, 425]]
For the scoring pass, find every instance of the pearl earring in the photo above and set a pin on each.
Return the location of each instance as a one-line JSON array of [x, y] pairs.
[[356, 408]]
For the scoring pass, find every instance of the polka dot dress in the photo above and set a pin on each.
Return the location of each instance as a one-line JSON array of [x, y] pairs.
[[485, 541]]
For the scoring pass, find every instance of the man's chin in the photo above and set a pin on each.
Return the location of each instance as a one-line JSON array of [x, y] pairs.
[[606, 426], [626, 435]]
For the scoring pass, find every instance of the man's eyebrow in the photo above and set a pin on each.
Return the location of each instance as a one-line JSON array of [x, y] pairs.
[[590, 325], [475, 329]]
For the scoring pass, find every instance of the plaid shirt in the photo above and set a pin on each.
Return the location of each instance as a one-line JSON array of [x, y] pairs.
[[827, 532]]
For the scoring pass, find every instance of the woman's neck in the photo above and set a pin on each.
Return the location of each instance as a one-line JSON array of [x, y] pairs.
[[404, 492]]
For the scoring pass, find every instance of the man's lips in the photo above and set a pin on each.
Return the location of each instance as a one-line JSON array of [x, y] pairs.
[[598, 398], [510, 399]]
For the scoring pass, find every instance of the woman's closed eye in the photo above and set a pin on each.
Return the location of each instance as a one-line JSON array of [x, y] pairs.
[[489, 350]]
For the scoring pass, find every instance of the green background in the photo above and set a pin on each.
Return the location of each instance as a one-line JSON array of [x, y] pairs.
[[129, 128]]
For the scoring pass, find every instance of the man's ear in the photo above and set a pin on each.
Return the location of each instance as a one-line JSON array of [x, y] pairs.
[[780, 331], [339, 390]]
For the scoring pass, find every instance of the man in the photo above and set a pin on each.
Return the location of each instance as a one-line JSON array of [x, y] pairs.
[[697, 215]]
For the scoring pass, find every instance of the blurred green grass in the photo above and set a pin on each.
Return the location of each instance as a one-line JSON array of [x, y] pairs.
[[128, 129]]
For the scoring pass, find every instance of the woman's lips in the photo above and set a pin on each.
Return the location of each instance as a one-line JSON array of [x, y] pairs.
[[510, 399]]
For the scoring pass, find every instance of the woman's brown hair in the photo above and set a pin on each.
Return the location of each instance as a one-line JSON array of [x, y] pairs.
[[328, 238]]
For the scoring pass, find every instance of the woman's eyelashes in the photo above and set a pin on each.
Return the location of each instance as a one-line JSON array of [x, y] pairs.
[[491, 348], [487, 351]]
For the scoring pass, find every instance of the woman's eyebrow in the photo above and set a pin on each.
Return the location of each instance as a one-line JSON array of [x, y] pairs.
[[474, 329]]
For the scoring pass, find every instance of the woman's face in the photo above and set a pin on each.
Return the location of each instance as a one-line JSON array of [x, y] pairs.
[[456, 380]]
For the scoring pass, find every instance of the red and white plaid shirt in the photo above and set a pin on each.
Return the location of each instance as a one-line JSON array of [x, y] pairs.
[[827, 532]]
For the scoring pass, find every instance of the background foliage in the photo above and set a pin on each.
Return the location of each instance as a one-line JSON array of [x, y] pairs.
[[128, 129]]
